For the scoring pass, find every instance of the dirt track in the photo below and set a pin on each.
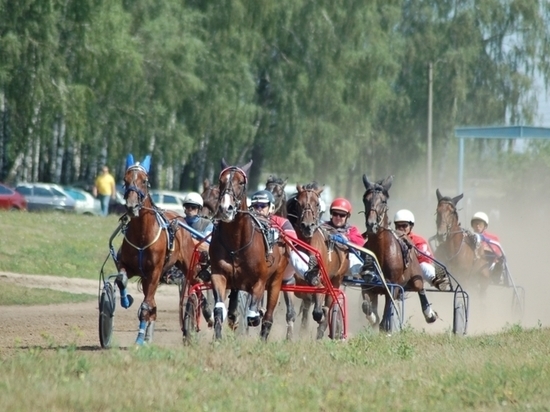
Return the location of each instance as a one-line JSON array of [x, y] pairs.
[[77, 324]]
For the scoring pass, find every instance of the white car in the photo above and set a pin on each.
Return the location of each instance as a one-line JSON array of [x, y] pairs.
[[169, 200], [85, 203], [46, 197]]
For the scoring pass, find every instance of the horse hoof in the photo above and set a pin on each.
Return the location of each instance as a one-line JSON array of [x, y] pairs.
[[253, 322], [365, 307]]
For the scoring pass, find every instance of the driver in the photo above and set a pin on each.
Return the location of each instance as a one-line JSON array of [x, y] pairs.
[[490, 243], [404, 223]]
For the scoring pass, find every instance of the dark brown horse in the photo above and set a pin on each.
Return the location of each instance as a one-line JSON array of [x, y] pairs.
[[240, 259], [457, 248], [398, 262], [153, 243], [210, 194], [276, 186], [309, 228]]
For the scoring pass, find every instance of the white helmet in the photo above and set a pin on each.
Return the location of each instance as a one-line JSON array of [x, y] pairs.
[[193, 198], [404, 215], [481, 216]]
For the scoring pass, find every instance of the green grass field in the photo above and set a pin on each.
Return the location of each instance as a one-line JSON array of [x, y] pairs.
[[55, 244], [406, 372], [409, 371]]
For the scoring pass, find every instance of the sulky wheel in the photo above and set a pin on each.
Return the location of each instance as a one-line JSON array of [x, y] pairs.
[[336, 322], [106, 315], [189, 318]]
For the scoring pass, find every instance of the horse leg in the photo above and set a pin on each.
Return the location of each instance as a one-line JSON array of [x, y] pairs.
[[272, 298], [370, 307], [147, 313], [290, 312], [232, 318], [219, 283], [206, 309], [253, 315], [121, 281], [427, 310], [305, 305]]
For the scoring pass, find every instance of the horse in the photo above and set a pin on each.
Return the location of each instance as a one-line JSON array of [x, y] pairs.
[[457, 248], [397, 260], [240, 258], [210, 194], [276, 186], [306, 207], [153, 243]]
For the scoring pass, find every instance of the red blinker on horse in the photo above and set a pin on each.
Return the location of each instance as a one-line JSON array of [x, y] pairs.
[[153, 243], [397, 260], [240, 259]]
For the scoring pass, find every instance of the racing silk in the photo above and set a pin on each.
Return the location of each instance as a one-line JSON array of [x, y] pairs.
[[285, 225], [200, 224], [421, 244], [351, 232], [490, 247]]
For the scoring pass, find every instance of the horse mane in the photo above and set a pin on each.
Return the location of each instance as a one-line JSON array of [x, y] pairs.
[[275, 180]]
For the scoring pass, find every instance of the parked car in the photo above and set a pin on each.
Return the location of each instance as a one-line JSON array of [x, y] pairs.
[[169, 200], [46, 197], [10, 199], [85, 203]]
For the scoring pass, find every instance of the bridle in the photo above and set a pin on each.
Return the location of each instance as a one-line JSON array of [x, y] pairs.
[[448, 222], [230, 189], [308, 209], [381, 209], [280, 200], [132, 186]]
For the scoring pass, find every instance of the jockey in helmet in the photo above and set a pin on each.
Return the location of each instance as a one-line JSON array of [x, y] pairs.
[[404, 223], [263, 203]]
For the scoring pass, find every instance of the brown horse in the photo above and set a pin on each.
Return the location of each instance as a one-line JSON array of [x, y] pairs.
[[309, 228], [210, 194], [397, 261], [276, 186], [457, 248], [153, 243], [240, 259]]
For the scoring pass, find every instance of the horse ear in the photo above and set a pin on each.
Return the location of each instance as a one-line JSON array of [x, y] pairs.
[[386, 184], [438, 194], [205, 184], [224, 164], [366, 182], [299, 188], [246, 167], [285, 182], [146, 163], [129, 160], [456, 199], [320, 189]]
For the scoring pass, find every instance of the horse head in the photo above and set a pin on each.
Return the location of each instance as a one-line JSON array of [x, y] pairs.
[[210, 195], [308, 208], [276, 186], [446, 214], [136, 184], [375, 201], [232, 187]]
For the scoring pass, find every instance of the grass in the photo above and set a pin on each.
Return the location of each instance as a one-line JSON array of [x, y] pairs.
[[55, 244], [11, 294], [411, 371]]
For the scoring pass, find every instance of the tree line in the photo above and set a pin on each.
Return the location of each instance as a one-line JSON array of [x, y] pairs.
[[318, 90]]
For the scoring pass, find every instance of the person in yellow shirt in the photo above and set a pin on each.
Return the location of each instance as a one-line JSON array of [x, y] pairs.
[[104, 189]]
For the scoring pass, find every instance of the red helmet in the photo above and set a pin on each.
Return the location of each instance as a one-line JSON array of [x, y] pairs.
[[341, 204]]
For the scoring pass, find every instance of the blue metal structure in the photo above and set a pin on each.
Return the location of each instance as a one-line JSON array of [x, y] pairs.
[[494, 132]]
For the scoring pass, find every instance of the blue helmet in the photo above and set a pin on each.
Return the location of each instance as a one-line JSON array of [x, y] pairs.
[[262, 196]]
